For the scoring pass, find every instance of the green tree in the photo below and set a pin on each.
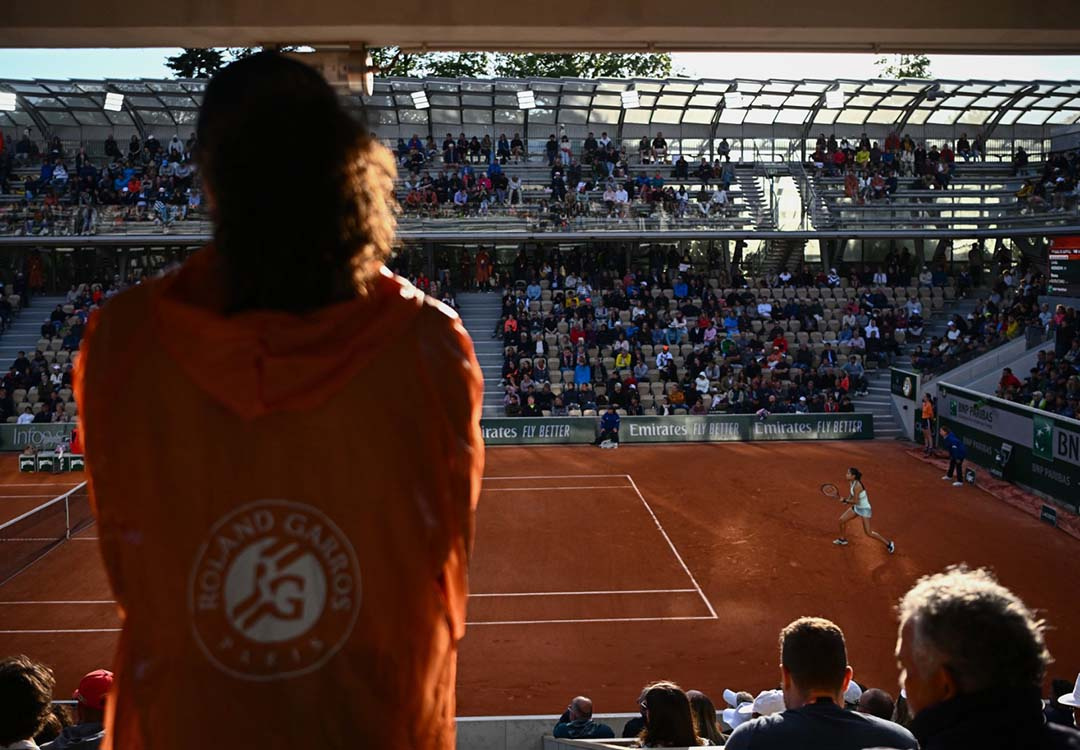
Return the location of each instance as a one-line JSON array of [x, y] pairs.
[[583, 65], [904, 66], [196, 63]]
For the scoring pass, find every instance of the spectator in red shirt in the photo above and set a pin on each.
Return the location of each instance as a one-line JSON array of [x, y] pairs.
[[1008, 380]]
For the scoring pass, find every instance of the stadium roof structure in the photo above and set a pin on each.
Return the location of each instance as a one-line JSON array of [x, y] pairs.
[[683, 108]]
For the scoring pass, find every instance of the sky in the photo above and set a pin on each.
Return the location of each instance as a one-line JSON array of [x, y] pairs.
[[150, 63]]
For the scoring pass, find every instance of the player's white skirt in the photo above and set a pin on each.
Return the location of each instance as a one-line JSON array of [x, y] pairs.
[[864, 511]]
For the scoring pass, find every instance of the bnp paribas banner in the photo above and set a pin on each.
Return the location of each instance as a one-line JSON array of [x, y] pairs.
[[680, 429], [16, 437], [1032, 448]]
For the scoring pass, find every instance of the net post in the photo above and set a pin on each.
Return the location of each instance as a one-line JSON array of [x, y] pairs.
[[67, 515]]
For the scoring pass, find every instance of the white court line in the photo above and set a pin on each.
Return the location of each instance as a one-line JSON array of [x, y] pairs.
[[559, 476], [47, 539], [71, 602], [541, 489], [672, 545], [584, 593], [61, 632], [15, 497], [591, 619], [43, 484]]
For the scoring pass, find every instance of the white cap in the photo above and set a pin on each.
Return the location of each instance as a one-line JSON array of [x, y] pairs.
[[1072, 699], [731, 698], [733, 717], [853, 692], [769, 702]]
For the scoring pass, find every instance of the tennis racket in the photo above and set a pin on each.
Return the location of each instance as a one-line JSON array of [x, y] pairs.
[[830, 491]]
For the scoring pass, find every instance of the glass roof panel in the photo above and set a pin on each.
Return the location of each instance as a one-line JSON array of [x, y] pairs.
[[792, 116], [475, 100], [44, 101], [1026, 101], [543, 116], [604, 116], [918, 117], [505, 100], [698, 116], [760, 116], [814, 87], [573, 116], [576, 100], [1064, 117], [60, 87], [826, 116], [679, 88], [667, 116], [130, 87], [386, 117], [185, 116], [852, 116], [863, 101], [748, 87], [975, 117], [179, 102], [443, 100], [607, 100], [476, 117], [708, 101], [379, 101], [90, 117], [943, 116], [958, 102], [991, 102], [647, 101], [769, 100], [94, 87], [167, 86], [802, 100], [884, 116], [28, 88], [413, 116], [637, 116], [78, 102], [478, 87], [58, 117], [444, 116], [732, 116], [1053, 102], [779, 87], [672, 101], [120, 118], [1034, 117], [509, 117], [158, 117]]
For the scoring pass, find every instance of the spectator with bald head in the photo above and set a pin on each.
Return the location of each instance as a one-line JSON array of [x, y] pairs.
[[576, 723]]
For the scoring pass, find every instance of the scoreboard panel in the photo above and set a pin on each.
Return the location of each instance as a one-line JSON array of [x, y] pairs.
[[1064, 273]]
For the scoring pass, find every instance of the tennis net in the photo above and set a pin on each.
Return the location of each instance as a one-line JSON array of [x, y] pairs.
[[32, 535]]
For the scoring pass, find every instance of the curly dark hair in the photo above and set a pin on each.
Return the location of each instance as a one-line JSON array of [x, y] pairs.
[[299, 222], [26, 691]]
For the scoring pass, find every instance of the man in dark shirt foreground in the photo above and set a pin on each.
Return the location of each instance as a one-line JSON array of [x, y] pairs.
[[815, 673]]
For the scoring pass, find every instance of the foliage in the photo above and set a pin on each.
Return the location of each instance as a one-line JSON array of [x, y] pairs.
[[196, 63], [904, 66], [583, 65]]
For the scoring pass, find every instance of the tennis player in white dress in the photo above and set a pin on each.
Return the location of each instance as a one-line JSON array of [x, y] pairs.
[[860, 506]]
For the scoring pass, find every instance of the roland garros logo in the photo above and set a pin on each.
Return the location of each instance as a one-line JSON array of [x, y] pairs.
[[274, 592]]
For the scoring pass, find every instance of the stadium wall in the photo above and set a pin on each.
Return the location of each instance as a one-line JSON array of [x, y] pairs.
[[1033, 449], [905, 389], [679, 429]]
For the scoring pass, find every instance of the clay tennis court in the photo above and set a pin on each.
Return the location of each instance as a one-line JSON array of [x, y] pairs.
[[597, 571]]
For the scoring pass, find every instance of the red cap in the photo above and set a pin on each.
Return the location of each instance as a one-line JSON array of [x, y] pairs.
[[93, 688]]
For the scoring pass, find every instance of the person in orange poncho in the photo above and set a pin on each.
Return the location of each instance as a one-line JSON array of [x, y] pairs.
[[288, 547]]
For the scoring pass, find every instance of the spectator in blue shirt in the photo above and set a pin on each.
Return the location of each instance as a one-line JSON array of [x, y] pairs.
[[532, 291], [681, 290], [609, 430], [582, 371], [957, 454]]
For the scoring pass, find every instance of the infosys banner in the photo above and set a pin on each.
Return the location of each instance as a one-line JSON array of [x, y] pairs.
[[1019, 444], [680, 429], [15, 437]]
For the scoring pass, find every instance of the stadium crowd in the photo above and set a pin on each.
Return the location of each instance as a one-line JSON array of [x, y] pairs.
[[580, 335], [71, 193], [595, 180], [1053, 384], [972, 659]]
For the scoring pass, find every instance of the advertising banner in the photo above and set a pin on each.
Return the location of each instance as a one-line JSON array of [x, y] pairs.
[[680, 429], [1022, 445], [15, 437]]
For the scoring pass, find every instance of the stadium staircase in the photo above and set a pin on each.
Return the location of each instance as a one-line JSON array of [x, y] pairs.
[[480, 312], [878, 400], [25, 329]]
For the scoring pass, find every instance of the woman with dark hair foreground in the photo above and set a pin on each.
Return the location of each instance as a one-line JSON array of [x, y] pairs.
[[288, 548]]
